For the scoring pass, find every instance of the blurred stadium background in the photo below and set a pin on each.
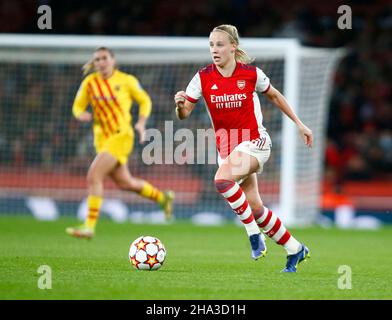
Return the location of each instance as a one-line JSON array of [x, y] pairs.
[[45, 153]]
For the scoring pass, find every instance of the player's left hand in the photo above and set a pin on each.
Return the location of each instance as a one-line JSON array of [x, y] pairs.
[[306, 135], [140, 127]]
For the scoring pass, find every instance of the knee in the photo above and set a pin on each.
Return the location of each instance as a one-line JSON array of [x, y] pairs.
[[223, 173], [223, 181]]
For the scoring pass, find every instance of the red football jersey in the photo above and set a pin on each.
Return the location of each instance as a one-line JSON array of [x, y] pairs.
[[232, 103]]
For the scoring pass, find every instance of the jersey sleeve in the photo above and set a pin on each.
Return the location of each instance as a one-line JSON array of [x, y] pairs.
[[263, 82], [193, 90], [140, 96], [81, 99]]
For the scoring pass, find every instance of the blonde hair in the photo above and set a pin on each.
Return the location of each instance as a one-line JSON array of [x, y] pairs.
[[232, 32], [89, 65]]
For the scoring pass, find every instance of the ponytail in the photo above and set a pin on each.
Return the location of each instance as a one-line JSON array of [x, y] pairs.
[[88, 67], [242, 56]]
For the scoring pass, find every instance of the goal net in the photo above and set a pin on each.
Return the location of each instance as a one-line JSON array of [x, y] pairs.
[[45, 153]]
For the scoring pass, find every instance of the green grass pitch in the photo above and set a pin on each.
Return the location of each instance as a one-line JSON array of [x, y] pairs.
[[202, 263]]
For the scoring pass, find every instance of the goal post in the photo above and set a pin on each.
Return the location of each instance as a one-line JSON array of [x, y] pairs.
[[43, 71]]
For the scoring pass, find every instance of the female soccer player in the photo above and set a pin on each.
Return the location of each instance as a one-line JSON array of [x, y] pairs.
[[110, 93], [229, 87]]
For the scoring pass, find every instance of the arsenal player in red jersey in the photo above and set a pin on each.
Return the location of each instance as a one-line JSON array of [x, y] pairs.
[[229, 87]]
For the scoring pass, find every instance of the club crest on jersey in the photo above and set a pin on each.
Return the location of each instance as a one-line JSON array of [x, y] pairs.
[[241, 84], [117, 88]]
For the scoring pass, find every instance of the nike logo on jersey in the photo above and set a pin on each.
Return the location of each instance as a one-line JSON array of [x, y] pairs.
[[214, 87]]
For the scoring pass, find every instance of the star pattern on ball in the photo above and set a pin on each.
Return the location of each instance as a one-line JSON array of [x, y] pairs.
[[159, 244], [134, 261], [141, 245], [151, 261]]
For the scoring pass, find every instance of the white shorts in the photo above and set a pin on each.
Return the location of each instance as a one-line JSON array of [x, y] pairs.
[[258, 148]]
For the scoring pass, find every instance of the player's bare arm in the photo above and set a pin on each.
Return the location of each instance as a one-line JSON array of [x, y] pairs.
[[280, 101], [85, 117], [183, 106], [140, 127]]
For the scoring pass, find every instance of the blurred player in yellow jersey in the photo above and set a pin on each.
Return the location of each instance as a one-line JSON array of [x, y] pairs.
[[110, 93]]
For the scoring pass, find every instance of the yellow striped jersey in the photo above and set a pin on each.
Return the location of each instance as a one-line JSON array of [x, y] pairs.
[[111, 100]]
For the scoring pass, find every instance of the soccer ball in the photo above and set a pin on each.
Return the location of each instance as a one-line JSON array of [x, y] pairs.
[[147, 253]]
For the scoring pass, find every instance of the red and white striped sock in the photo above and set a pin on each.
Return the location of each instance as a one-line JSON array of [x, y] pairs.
[[234, 195], [274, 228]]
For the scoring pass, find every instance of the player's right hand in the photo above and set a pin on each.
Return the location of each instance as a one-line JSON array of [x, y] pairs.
[[179, 98], [85, 117], [307, 135]]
